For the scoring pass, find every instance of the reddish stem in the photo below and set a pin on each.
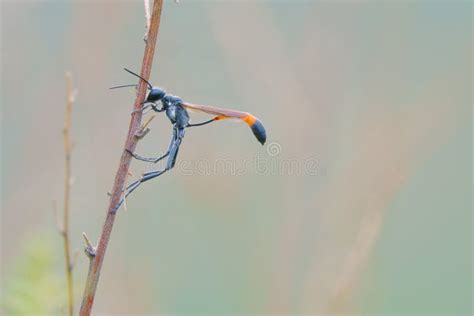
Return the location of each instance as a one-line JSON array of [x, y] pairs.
[[97, 258]]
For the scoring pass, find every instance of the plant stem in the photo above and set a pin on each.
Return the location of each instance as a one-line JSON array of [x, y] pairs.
[[97, 255], [67, 191]]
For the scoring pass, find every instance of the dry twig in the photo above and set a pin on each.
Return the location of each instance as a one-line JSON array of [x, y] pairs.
[[64, 228]]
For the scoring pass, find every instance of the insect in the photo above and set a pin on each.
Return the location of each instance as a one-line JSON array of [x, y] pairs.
[[177, 112]]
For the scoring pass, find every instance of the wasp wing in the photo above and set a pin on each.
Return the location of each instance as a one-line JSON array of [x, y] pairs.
[[254, 123]]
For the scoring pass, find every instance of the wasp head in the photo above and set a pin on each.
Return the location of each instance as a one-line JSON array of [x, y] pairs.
[[155, 94]]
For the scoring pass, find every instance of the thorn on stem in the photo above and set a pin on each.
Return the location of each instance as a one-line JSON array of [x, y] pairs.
[[142, 133], [89, 249], [129, 174], [125, 204], [144, 129]]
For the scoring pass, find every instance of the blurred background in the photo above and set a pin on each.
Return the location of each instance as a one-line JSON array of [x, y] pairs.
[[360, 202]]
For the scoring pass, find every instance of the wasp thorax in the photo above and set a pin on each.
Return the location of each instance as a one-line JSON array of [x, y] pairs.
[[170, 100]]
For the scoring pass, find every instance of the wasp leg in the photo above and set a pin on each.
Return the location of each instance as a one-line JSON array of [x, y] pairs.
[[155, 159], [148, 159], [173, 154], [201, 124], [174, 148], [144, 107]]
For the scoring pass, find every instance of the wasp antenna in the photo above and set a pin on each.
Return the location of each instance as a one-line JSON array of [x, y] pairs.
[[126, 85], [136, 75]]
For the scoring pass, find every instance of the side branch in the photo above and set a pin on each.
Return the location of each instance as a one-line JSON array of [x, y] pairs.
[[97, 259]]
